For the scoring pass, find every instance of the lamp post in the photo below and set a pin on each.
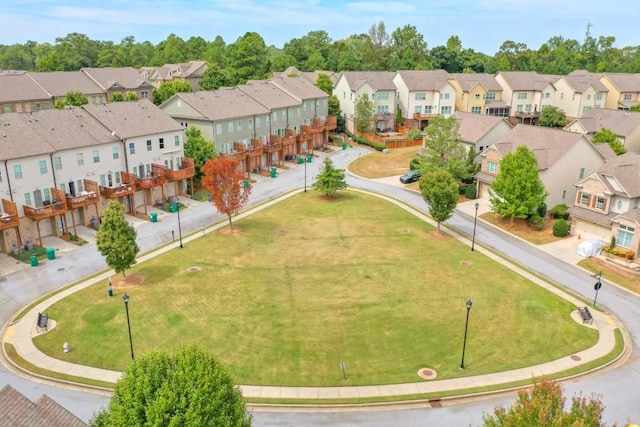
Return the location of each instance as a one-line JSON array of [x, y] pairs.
[[179, 228], [305, 174], [597, 286], [466, 327], [475, 221], [125, 298]]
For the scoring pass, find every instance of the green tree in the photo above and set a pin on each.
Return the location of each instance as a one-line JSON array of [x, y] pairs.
[[443, 149], [635, 108], [330, 180], [517, 191], [170, 88], [73, 98], [324, 83], [116, 239], [132, 96], [186, 388], [553, 117], [365, 112], [334, 110], [247, 59], [117, 97], [214, 78], [608, 136], [408, 50], [544, 405], [440, 190], [199, 149], [172, 50]]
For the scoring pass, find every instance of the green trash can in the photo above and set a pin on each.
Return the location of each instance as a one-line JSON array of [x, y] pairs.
[[309, 158], [344, 146], [173, 208], [300, 160], [34, 260], [153, 217], [245, 183], [273, 172], [51, 253]]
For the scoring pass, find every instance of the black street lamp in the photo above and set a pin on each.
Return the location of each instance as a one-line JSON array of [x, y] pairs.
[[475, 221], [466, 326], [125, 298], [597, 286], [179, 228]]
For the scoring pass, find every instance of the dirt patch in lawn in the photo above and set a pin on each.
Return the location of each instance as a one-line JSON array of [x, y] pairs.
[[129, 281], [231, 231]]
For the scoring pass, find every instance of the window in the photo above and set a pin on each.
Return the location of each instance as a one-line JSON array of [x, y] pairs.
[[382, 109], [47, 105], [547, 94], [298, 111], [382, 96], [27, 199], [492, 166], [218, 129], [586, 109], [588, 96], [96, 156], [43, 167], [527, 107], [117, 177], [562, 95], [581, 174], [446, 96], [80, 159], [519, 108], [445, 109], [428, 109], [135, 170], [17, 171], [176, 140], [275, 116], [149, 146], [144, 94], [230, 127], [418, 109], [103, 180], [46, 194], [625, 236], [57, 163], [267, 120], [522, 95], [490, 96], [7, 108], [161, 143], [250, 124], [239, 125], [598, 96], [258, 120], [132, 148], [421, 96], [476, 110], [627, 97], [79, 185], [477, 96], [38, 107], [584, 198], [304, 104], [600, 203], [114, 153]]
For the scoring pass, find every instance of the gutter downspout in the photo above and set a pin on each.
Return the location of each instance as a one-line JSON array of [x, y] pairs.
[[6, 169], [55, 183]]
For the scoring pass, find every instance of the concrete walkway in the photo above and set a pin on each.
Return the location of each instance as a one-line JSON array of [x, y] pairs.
[[21, 333]]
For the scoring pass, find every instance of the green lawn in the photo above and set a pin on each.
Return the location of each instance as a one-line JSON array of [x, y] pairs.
[[310, 283]]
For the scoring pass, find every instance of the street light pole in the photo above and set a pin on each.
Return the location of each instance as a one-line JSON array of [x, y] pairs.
[[125, 298], [179, 228], [597, 286], [466, 326], [475, 221]]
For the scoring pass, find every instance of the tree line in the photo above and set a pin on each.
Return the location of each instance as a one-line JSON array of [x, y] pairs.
[[378, 50]]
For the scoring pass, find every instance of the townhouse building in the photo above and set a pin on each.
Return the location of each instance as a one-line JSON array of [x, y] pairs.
[[527, 92], [190, 72], [481, 131], [625, 124], [58, 83], [479, 93], [423, 94], [624, 90], [20, 93], [122, 80], [577, 94]]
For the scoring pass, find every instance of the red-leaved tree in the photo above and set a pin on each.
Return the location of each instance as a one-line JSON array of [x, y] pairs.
[[223, 177]]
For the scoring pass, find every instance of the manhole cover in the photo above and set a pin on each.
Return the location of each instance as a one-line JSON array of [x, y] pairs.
[[427, 373], [576, 358], [193, 268]]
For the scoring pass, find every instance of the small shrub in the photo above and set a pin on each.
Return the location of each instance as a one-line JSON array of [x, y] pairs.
[[536, 222], [471, 192], [414, 133], [560, 228], [542, 210], [612, 245], [462, 189], [415, 164], [630, 254], [560, 211]]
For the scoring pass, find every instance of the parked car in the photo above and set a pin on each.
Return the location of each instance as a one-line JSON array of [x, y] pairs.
[[411, 176]]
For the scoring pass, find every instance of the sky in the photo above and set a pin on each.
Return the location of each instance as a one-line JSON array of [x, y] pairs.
[[482, 25]]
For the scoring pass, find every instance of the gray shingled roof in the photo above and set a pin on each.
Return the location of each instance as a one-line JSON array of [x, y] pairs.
[[126, 77], [378, 80], [623, 123], [547, 144], [633, 214], [591, 215], [223, 104], [417, 80], [268, 95], [20, 87], [19, 138], [626, 171], [625, 82], [468, 81], [580, 83], [133, 118], [299, 88], [474, 126], [527, 80], [58, 83], [18, 411]]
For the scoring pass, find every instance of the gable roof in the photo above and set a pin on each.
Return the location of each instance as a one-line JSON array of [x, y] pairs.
[[623, 123], [378, 80], [58, 83], [547, 144], [417, 80], [118, 77], [580, 83], [19, 411], [527, 80], [299, 88], [268, 95], [222, 104], [19, 139], [129, 119], [624, 82], [20, 87], [474, 126], [624, 170], [468, 81]]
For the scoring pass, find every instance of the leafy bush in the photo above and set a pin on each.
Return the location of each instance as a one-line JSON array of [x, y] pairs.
[[560, 228], [415, 164], [365, 141], [536, 222], [414, 133], [462, 189], [560, 211], [542, 210], [471, 192]]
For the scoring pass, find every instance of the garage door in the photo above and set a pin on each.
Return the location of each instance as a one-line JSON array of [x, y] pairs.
[[589, 230]]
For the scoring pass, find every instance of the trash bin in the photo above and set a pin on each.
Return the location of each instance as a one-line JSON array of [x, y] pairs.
[[153, 217], [173, 208], [34, 260], [51, 253], [309, 158], [300, 160], [344, 146], [273, 172], [245, 183]]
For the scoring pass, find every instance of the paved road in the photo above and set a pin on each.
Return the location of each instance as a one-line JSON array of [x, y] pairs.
[[618, 387]]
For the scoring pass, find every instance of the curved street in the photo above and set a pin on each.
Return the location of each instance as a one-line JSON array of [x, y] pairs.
[[617, 386]]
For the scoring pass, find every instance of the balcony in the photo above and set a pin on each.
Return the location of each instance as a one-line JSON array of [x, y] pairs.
[[9, 217], [305, 136], [117, 192], [422, 116], [527, 114], [86, 199], [331, 123], [272, 147], [150, 182], [47, 210], [186, 170]]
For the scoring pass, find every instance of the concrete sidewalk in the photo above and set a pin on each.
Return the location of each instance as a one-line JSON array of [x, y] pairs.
[[20, 334]]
